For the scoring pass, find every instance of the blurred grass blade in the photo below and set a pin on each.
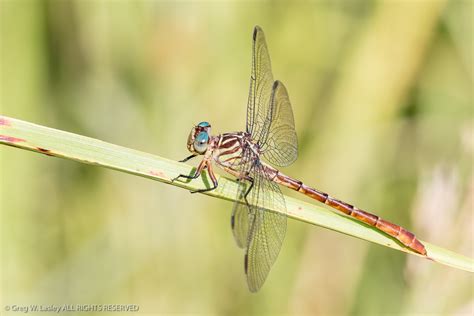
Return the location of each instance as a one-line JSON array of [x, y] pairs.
[[62, 144]]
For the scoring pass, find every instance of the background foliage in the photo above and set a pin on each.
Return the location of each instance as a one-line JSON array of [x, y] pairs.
[[382, 95]]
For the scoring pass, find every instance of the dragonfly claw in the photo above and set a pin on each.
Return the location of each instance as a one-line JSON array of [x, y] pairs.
[[203, 190], [175, 178], [184, 176]]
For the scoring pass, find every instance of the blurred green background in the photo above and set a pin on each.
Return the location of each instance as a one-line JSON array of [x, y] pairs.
[[383, 102]]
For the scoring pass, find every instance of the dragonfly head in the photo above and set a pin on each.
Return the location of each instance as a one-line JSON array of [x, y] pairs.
[[199, 138]]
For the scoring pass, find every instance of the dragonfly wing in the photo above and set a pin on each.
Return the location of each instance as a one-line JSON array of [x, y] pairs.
[[279, 143], [239, 219], [266, 229], [261, 81], [240, 211], [269, 115]]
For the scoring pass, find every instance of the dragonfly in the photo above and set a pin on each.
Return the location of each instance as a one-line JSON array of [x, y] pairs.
[[268, 140]]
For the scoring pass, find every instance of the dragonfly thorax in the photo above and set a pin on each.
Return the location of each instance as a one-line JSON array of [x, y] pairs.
[[231, 150]]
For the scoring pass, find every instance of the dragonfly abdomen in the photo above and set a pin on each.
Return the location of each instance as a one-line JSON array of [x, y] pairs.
[[401, 234]]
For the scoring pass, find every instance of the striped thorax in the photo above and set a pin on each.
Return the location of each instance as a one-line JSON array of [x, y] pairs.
[[228, 150]]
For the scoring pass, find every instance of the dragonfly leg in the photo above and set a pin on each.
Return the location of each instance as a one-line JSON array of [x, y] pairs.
[[196, 174], [187, 158], [249, 189], [213, 179]]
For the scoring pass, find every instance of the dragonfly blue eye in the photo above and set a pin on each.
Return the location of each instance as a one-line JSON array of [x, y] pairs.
[[200, 142], [204, 124]]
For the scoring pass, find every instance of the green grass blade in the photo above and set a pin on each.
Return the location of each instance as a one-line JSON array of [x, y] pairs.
[[62, 144]]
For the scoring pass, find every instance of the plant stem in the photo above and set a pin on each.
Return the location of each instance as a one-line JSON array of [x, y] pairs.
[[56, 143]]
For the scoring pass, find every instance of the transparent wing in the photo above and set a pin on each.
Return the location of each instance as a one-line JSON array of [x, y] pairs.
[[279, 142], [261, 81], [269, 115], [239, 219], [240, 210], [266, 230]]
